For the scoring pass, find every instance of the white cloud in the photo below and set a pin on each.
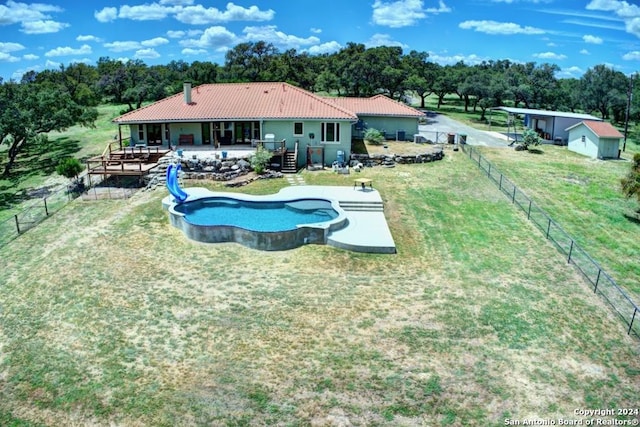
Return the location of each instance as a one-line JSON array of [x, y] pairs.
[[7, 57], [88, 38], [146, 12], [146, 54], [515, 1], [270, 34], [177, 2], [570, 72], [180, 34], [187, 51], [213, 37], [444, 59], [52, 64], [549, 55], [442, 8], [329, 47], [122, 46], [10, 47], [158, 41], [42, 27], [585, 52], [15, 12], [315, 30], [632, 56], [592, 39], [199, 15], [176, 34], [107, 14], [30, 57], [494, 27], [383, 40], [68, 51], [397, 14], [629, 13]]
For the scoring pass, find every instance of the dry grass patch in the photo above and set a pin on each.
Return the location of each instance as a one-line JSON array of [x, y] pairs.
[[475, 319]]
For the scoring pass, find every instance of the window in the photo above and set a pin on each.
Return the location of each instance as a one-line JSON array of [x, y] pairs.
[[298, 129], [330, 132], [584, 139], [140, 133]]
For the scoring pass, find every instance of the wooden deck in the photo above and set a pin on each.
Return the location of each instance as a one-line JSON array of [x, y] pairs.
[[134, 161]]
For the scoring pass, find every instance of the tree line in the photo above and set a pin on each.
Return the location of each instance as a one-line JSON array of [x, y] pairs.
[[56, 99]]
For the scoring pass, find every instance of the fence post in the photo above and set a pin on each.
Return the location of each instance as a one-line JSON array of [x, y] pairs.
[[489, 171], [513, 197], [500, 186], [632, 319], [595, 289], [548, 227], [17, 223], [570, 251], [46, 209], [529, 210]]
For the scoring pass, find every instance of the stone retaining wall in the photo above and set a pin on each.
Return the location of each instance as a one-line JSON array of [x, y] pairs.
[[210, 168], [392, 159], [231, 169]]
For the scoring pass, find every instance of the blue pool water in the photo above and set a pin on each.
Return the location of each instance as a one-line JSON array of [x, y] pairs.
[[257, 216]]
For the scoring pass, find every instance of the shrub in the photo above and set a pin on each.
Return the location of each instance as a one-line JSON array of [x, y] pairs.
[[529, 138], [373, 136], [260, 160], [69, 168], [631, 182]]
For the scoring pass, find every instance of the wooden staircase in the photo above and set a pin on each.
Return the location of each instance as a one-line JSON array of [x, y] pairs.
[[290, 162]]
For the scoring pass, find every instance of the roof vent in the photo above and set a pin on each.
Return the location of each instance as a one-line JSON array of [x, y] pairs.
[[187, 92]]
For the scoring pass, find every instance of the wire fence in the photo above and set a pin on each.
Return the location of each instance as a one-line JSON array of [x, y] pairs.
[[39, 209], [603, 284], [33, 214]]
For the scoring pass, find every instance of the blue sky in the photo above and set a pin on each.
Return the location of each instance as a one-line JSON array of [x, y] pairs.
[[575, 35]]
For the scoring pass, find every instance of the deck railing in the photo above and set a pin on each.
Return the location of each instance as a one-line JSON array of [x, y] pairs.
[[277, 147]]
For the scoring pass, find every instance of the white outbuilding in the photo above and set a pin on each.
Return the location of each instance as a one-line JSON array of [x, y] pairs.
[[596, 139]]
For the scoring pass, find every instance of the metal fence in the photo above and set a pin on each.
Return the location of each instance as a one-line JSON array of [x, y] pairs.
[[33, 214], [39, 209], [602, 283]]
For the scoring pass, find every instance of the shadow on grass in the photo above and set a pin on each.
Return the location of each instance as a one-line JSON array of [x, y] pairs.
[[32, 165], [633, 218], [535, 151]]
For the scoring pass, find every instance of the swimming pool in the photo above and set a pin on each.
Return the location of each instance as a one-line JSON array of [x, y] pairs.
[[261, 222], [264, 216]]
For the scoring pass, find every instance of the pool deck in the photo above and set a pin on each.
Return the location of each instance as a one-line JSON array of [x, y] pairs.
[[367, 230]]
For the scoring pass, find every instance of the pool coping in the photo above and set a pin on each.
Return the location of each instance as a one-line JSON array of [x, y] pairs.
[[366, 227]]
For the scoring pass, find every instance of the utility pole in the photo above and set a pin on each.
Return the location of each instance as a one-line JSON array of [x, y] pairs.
[[626, 120]]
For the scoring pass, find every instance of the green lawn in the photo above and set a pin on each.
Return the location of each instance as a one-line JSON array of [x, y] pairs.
[[35, 166], [583, 195], [111, 316]]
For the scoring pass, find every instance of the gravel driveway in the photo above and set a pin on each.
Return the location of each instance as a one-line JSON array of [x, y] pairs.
[[441, 126]]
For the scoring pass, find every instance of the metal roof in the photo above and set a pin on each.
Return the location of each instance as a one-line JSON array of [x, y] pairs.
[[547, 113]]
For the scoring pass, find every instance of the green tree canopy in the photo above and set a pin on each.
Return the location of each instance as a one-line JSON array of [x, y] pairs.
[[31, 110], [631, 182]]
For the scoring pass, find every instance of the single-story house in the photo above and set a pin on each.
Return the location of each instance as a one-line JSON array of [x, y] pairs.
[[595, 139], [551, 126], [394, 119], [230, 114]]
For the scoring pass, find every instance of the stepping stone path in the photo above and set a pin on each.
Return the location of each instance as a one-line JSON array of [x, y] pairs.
[[295, 180]]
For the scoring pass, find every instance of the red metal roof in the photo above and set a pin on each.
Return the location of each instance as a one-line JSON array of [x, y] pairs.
[[378, 105], [603, 129], [239, 101]]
